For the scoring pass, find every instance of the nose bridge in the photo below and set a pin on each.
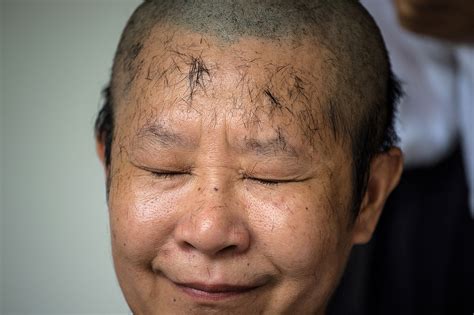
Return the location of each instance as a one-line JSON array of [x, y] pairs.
[[214, 224]]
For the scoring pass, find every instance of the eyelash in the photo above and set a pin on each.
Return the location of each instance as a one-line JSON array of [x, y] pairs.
[[167, 175], [266, 182]]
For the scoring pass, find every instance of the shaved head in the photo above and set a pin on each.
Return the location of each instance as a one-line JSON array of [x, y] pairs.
[[360, 92]]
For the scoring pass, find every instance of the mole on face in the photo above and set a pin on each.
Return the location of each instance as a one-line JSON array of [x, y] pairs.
[[216, 189]]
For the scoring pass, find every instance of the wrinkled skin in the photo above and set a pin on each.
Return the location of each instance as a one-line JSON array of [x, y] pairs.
[[219, 178]]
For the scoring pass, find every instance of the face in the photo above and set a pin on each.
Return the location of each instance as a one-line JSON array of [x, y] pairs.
[[227, 195]]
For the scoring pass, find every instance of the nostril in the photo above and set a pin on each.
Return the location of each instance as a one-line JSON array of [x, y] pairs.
[[188, 245], [230, 248]]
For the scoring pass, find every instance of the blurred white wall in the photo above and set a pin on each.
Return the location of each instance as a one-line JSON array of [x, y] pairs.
[[1, 153], [54, 236]]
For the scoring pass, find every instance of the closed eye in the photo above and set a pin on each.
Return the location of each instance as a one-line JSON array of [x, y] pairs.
[[268, 182], [164, 174], [167, 174]]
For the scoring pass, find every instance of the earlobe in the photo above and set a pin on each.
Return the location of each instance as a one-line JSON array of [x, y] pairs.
[[385, 172], [100, 150]]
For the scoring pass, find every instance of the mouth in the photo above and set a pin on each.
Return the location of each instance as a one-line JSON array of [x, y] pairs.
[[215, 292]]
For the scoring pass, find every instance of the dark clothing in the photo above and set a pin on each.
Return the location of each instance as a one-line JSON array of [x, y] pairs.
[[421, 257]]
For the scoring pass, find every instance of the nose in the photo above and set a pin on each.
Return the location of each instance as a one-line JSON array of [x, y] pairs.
[[213, 230]]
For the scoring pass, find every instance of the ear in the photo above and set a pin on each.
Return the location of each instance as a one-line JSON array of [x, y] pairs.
[[385, 171], [100, 150]]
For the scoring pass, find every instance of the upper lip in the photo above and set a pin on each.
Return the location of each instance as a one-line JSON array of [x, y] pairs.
[[217, 288]]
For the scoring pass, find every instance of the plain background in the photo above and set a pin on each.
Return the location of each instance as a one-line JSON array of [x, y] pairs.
[[55, 255]]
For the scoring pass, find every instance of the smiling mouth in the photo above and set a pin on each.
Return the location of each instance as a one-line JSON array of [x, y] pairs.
[[214, 292]]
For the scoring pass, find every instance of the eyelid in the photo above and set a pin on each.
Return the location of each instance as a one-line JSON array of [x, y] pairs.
[[165, 173], [272, 181], [268, 182]]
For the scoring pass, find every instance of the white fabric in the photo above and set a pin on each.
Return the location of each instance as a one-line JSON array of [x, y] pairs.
[[438, 78]]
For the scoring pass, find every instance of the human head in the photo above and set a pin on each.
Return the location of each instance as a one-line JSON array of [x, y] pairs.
[[196, 86]]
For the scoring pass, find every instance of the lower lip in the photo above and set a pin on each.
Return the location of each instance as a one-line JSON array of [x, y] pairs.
[[213, 296]]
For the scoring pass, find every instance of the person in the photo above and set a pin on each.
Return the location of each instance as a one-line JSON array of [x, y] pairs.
[[247, 146]]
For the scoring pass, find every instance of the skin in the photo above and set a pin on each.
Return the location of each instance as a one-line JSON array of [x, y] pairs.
[[212, 182], [451, 20]]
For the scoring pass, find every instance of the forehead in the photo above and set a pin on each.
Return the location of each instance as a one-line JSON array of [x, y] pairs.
[[256, 81]]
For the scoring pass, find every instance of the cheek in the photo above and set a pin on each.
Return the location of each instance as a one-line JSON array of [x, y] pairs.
[[299, 230], [141, 219]]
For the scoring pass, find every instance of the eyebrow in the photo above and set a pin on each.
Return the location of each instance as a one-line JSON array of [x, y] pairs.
[[165, 136], [270, 147]]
